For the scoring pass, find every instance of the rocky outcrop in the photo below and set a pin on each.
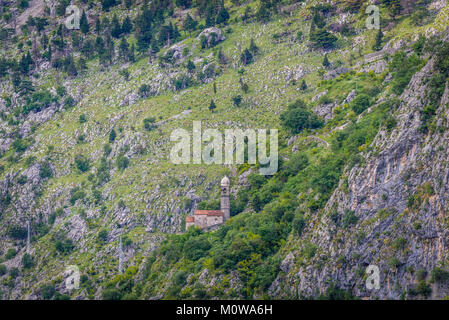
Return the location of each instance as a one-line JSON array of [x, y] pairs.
[[213, 36], [390, 232]]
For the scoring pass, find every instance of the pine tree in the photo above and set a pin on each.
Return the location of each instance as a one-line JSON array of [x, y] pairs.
[[116, 30], [131, 53], [190, 24], [84, 24], [99, 46], [128, 3], [127, 26], [212, 105], [70, 67], [253, 48], [190, 66], [303, 85], [246, 14], [215, 88], [98, 25], [223, 16], [112, 135], [123, 49], [246, 57]]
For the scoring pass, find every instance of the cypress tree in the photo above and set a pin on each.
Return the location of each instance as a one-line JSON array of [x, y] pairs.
[[212, 105], [378, 43], [131, 53], [326, 62]]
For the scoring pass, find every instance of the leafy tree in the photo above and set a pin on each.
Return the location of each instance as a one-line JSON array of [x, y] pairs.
[[107, 4], [297, 118]]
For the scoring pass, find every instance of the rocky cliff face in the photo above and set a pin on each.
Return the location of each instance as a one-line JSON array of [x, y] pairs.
[[400, 236]]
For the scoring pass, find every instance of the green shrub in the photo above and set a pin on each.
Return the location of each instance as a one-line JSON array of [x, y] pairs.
[[11, 253], [103, 235], [399, 243], [122, 162], [82, 163], [424, 289], [180, 278], [45, 170], [76, 194], [404, 67], [196, 248], [421, 274], [27, 261], [394, 262], [14, 273], [439, 275], [3, 270], [297, 118], [64, 246], [148, 123], [48, 291], [17, 232], [82, 118], [360, 103], [299, 224]]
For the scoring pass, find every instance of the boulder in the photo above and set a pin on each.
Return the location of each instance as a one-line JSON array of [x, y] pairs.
[[213, 36]]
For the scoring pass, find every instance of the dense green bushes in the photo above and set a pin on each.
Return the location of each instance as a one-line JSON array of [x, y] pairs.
[[404, 67], [17, 232], [297, 118]]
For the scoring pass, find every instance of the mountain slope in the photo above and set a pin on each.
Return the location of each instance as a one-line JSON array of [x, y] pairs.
[[85, 142]]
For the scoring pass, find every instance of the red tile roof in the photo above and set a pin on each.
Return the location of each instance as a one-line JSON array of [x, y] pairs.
[[215, 213], [190, 219]]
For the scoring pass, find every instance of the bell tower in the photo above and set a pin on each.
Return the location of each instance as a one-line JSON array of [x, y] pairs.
[[224, 199]]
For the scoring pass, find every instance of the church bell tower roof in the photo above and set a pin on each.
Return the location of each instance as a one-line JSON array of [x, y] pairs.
[[225, 182]]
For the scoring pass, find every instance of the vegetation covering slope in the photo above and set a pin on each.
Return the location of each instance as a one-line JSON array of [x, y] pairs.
[[86, 118]]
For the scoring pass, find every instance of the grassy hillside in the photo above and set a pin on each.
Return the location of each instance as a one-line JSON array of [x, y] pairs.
[[86, 138]]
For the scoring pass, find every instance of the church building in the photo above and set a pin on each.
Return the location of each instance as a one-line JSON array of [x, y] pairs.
[[212, 219]]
